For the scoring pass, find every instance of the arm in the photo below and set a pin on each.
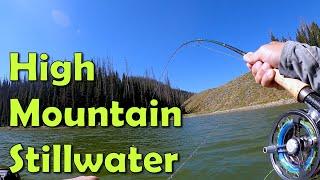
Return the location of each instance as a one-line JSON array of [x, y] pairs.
[[301, 61]]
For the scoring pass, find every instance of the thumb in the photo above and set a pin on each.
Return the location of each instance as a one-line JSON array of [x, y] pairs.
[[247, 57], [251, 57]]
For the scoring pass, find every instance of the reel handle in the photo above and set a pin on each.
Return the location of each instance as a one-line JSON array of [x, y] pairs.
[[293, 86]]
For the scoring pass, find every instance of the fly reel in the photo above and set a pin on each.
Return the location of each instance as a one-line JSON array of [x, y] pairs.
[[294, 147]]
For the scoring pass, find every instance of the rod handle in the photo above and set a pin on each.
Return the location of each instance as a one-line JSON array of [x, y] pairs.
[[293, 86]]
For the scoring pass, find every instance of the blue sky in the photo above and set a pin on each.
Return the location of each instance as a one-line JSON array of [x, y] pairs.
[[144, 33]]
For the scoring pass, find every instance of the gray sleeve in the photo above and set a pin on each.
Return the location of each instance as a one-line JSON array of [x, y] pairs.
[[301, 61]]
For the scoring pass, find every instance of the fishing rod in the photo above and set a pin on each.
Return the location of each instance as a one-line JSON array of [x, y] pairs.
[[232, 48], [294, 148], [294, 86]]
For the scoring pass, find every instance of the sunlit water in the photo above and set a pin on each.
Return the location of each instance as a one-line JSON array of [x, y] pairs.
[[225, 146]]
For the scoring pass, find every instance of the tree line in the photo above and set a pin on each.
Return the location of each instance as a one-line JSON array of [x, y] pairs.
[[306, 33], [108, 86]]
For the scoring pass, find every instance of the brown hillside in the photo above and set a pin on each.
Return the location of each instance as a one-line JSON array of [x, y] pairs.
[[240, 92]]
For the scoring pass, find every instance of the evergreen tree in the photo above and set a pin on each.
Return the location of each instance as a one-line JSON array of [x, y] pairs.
[[108, 86]]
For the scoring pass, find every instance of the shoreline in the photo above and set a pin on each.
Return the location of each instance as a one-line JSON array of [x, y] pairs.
[[245, 108]]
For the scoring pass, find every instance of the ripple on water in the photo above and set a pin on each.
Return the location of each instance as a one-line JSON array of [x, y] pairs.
[[232, 148]]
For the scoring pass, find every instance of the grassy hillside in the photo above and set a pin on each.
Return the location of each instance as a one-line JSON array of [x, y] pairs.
[[243, 91], [240, 92]]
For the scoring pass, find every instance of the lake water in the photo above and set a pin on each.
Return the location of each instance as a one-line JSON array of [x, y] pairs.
[[224, 146]]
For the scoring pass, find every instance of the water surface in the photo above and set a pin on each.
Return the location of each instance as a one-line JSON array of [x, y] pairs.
[[224, 146]]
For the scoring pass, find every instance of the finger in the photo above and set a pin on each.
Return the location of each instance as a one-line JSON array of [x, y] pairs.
[[256, 67], [85, 178], [261, 72], [247, 57], [252, 57], [268, 78], [249, 66]]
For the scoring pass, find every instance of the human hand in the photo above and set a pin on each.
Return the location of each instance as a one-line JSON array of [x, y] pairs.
[[263, 61], [85, 178]]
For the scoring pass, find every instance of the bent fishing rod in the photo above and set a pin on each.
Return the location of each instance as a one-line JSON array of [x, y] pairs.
[[294, 142], [293, 86]]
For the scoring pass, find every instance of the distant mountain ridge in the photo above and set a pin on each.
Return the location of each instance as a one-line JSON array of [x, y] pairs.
[[240, 92]]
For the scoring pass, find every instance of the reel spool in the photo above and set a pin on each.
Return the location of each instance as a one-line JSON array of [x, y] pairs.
[[293, 145]]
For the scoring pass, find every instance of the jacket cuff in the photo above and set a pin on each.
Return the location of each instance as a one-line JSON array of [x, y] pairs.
[[286, 64]]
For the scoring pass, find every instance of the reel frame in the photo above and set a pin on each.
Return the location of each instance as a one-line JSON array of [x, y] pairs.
[[284, 149], [285, 155]]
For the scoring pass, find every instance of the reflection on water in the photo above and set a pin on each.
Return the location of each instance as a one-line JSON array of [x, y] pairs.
[[231, 145]]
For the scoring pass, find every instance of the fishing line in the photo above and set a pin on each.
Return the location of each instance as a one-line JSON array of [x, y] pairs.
[[220, 52], [193, 153], [190, 156], [171, 58], [200, 43], [265, 178], [286, 168]]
